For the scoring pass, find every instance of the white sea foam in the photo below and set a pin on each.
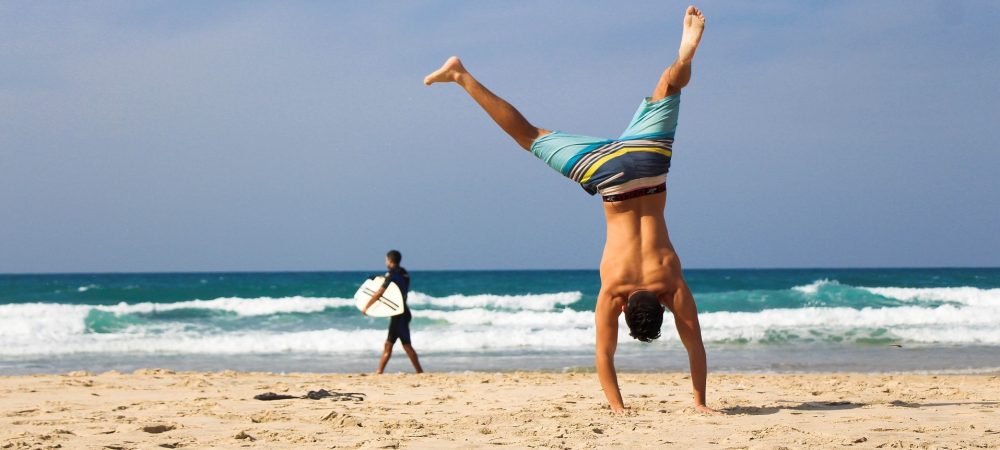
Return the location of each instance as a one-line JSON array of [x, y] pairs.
[[485, 322], [815, 286], [964, 295], [530, 302], [322, 341], [942, 324], [480, 329], [53, 319], [264, 306], [566, 318], [45, 322]]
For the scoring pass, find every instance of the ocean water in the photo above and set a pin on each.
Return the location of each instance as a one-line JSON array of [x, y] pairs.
[[869, 320]]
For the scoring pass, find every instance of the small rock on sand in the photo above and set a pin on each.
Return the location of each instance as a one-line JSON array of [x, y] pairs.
[[157, 428], [242, 435]]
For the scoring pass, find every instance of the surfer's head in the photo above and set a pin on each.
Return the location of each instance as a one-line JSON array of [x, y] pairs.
[[393, 258], [644, 315]]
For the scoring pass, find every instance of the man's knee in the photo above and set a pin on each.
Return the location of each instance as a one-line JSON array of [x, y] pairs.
[[529, 136]]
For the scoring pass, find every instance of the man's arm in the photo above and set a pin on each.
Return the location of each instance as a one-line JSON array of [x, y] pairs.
[[374, 298], [378, 293], [606, 317], [686, 319]]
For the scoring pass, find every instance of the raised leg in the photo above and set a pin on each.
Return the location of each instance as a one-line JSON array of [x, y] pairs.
[[505, 115], [413, 358], [675, 77], [386, 354]]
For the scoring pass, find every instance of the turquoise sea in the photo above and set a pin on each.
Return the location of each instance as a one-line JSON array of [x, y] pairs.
[[867, 320]]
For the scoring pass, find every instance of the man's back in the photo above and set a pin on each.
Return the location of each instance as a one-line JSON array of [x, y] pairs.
[[638, 253], [401, 277], [638, 256]]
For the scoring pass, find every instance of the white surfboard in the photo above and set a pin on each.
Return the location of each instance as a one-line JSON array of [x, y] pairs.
[[390, 304]]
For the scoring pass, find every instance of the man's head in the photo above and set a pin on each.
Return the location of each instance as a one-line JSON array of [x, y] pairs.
[[393, 258], [644, 315]]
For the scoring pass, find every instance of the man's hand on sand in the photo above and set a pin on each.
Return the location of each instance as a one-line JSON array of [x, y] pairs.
[[623, 411]]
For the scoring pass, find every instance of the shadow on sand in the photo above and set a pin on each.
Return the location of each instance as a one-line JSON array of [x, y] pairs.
[[834, 406], [807, 406], [903, 404]]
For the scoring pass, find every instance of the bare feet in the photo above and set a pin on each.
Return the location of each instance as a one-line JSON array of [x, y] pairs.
[[694, 26], [450, 71], [706, 410]]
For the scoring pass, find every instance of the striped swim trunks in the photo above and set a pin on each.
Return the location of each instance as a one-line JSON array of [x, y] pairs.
[[637, 160]]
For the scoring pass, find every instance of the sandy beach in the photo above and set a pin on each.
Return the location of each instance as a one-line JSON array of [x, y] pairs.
[[155, 408]]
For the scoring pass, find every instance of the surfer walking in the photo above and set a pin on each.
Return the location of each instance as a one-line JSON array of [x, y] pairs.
[[640, 271], [399, 325]]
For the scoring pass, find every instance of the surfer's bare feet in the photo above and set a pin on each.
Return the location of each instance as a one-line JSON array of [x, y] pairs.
[[706, 410], [450, 71], [694, 26]]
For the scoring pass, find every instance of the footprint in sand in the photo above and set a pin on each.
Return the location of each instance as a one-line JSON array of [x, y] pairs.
[[267, 416], [23, 412], [193, 382], [341, 420]]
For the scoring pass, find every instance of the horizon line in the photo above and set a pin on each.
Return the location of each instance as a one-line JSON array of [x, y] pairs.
[[183, 272]]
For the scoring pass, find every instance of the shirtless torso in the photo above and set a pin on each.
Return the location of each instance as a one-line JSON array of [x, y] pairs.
[[637, 252], [638, 255]]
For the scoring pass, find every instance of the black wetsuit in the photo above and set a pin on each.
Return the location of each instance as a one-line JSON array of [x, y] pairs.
[[399, 326]]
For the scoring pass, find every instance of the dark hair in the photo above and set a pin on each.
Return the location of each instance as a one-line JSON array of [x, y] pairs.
[[394, 256], [644, 315]]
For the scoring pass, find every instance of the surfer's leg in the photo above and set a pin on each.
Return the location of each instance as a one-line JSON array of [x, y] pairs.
[[675, 77], [386, 354], [413, 358], [404, 338], [503, 113], [390, 340]]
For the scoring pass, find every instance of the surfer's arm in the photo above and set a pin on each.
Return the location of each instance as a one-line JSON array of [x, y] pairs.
[[374, 298], [385, 284], [606, 317]]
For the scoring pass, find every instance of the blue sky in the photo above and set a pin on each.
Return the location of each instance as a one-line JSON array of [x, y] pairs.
[[174, 136]]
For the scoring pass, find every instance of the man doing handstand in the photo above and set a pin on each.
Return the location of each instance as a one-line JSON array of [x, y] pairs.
[[640, 271]]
